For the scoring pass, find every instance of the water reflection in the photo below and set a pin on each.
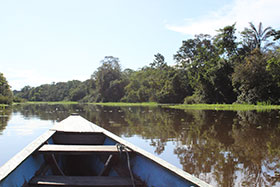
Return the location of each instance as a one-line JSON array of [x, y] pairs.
[[224, 148], [17, 132], [5, 114]]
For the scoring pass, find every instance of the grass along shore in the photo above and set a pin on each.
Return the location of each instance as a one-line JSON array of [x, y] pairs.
[[149, 104], [233, 107], [50, 102], [102, 104]]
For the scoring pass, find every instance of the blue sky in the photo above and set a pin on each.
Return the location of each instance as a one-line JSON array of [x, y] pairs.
[[60, 40]]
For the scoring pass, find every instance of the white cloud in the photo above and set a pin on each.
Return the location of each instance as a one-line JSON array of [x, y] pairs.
[[239, 11]]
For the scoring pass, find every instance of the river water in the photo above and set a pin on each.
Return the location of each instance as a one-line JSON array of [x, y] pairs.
[[223, 148]]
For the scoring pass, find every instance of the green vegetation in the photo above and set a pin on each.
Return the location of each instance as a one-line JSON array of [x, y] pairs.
[[6, 95], [52, 102], [62, 91], [3, 106], [233, 107], [219, 69], [121, 104]]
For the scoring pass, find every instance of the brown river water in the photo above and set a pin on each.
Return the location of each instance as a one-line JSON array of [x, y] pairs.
[[223, 148]]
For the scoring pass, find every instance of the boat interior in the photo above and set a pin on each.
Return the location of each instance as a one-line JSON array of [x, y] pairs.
[[84, 159]]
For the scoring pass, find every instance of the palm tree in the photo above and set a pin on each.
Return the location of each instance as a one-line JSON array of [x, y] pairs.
[[276, 35], [254, 38]]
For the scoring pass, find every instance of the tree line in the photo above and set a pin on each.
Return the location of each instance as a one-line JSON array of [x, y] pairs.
[[6, 95], [226, 68]]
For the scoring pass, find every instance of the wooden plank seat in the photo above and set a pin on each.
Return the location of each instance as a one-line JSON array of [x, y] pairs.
[[70, 138], [54, 180], [78, 149]]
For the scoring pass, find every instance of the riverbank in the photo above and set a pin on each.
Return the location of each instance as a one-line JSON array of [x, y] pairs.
[[102, 104], [50, 102], [148, 104], [233, 107]]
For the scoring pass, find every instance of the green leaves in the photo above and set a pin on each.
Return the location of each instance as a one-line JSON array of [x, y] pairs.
[[220, 69], [252, 80], [257, 37], [108, 77], [208, 72], [6, 95], [225, 41]]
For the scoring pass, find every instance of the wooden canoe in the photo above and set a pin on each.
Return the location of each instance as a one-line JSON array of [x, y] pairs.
[[76, 152]]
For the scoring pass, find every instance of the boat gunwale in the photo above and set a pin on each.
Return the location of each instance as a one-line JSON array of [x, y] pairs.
[[15, 161], [21, 156], [157, 160], [97, 129]]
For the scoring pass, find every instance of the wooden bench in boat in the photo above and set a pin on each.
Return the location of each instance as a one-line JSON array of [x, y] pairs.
[[72, 138], [78, 149], [54, 180]]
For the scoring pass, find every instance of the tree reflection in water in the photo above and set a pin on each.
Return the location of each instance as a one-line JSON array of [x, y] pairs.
[[224, 148], [5, 115]]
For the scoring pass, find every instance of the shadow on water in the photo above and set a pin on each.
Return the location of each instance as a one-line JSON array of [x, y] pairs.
[[224, 148]]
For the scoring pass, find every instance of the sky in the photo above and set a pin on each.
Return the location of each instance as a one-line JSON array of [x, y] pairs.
[[42, 42]]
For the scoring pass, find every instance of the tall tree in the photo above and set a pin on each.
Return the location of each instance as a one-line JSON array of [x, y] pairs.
[[6, 95], [251, 79], [208, 73], [108, 79], [225, 41], [273, 68], [159, 61], [276, 35], [257, 37]]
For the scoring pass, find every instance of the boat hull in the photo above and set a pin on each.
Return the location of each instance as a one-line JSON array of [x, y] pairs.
[[76, 149]]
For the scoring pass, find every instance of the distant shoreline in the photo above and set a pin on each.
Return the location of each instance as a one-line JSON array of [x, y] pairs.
[[232, 107], [221, 107]]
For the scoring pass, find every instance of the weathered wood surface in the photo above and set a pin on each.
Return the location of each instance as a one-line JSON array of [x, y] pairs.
[[13, 163], [82, 181], [69, 138], [78, 149], [76, 124]]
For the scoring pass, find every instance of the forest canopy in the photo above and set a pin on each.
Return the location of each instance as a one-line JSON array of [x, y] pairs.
[[225, 68], [6, 95]]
